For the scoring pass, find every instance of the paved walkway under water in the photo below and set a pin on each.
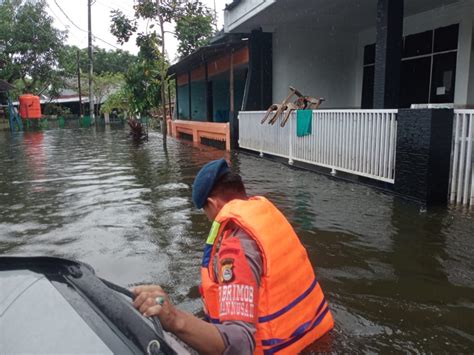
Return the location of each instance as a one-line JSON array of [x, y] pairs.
[[397, 278]]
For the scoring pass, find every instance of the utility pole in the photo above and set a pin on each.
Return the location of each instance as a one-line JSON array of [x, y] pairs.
[[81, 109], [215, 16], [164, 128], [91, 96]]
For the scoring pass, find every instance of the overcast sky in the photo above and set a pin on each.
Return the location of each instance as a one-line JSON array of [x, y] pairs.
[[76, 10]]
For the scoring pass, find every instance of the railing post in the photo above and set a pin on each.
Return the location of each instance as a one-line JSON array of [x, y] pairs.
[[468, 172], [290, 151]]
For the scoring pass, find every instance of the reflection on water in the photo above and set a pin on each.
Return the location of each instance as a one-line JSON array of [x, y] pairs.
[[397, 278]]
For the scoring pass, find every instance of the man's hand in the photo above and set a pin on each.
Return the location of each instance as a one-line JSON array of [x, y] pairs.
[[204, 337], [152, 301]]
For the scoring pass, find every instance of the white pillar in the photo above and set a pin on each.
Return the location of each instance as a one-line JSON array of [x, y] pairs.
[[107, 117], [463, 64]]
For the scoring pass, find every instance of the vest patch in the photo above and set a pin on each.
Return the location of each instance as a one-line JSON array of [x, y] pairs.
[[226, 272], [237, 302]]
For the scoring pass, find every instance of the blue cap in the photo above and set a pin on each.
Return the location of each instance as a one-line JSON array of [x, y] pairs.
[[205, 180]]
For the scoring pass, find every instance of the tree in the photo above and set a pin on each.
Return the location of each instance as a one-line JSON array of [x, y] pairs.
[[31, 46], [112, 61], [193, 27], [143, 86], [67, 60], [152, 43], [104, 85], [105, 61], [118, 100]]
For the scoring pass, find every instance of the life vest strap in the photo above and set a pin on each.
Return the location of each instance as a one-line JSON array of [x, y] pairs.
[[301, 331], [292, 304], [206, 257]]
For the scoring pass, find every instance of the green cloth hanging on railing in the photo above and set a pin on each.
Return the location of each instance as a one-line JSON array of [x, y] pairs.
[[304, 120]]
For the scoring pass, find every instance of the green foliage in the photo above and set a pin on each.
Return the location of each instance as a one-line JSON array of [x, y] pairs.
[[149, 46], [143, 86], [105, 61], [113, 61], [122, 27], [105, 84], [30, 46], [67, 60], [54, 109], [193, 27], [193, 23], [146, 79], [118, 100]]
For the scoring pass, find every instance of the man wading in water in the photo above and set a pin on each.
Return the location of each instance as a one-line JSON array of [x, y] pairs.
[[258, 287]]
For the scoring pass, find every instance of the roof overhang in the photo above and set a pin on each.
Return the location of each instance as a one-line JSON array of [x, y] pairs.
[[244, 16], [206, 53]]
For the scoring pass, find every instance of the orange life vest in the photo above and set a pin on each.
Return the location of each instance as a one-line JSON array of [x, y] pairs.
[[292, 310]]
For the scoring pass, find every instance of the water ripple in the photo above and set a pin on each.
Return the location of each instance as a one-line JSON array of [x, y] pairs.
[[397, 280]]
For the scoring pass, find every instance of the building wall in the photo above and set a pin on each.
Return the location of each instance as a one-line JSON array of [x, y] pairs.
[[470, 92], [462, 13], [183, 102], [221, 96], [198, 100], [329, 63], [318, 63]]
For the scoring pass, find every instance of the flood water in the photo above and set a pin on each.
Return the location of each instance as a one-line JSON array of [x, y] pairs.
[[397, 278]]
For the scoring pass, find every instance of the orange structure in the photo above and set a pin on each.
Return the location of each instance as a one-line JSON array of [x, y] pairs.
[[30, 107], [199, 130]]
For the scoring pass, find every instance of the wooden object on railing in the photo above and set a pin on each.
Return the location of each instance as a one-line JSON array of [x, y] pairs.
[[198, 130]]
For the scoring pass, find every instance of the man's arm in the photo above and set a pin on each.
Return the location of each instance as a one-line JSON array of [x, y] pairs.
[[199, 334], [240, 252], [234, 336]]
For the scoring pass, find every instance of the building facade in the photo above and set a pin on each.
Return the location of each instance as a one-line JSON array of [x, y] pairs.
[[342, 50]]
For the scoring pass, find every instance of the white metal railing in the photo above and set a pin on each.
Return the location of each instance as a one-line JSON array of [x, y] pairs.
[[462, 169], [360, 142]]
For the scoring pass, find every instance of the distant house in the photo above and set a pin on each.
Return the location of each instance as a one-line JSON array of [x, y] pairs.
[[214, 83], [67, 98], [207, 79], [366, 54]]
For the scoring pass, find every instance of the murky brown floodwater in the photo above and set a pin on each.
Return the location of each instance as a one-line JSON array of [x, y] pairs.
[[397, 279]]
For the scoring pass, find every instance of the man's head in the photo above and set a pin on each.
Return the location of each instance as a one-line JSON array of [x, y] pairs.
[[214, 186]]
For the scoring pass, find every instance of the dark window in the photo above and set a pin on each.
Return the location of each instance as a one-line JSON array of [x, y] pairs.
[[418, 44], [368, 88], [369, 54], [415, 81], [446, 38], [443, 79], [417, 74]]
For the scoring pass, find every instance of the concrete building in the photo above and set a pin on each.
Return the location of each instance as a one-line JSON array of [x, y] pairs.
[[397, 77], [341, 49]]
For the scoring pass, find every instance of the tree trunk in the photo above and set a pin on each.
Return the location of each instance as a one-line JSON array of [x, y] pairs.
[[164, 128]]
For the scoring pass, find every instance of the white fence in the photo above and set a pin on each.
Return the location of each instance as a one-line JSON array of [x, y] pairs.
[[462, 170], [360, 142]]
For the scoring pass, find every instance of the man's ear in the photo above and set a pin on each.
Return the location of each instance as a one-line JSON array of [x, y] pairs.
[[212, 202]]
